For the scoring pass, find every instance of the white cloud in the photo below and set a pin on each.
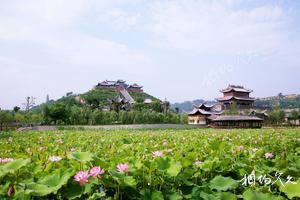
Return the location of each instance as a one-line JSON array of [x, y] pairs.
[[56, 46], [119, 19], [215, 27], [58, 55], [52, 24]]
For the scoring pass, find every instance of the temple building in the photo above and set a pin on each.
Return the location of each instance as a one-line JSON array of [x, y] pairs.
[[119, 85], [111, 84], [135, 88], [236, 94], [236, 121], [212, 115], [202, 114]]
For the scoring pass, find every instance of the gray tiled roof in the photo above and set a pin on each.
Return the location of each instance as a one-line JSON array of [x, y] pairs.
[[203, 112], [237, 98], [236, 88], [237, 118]]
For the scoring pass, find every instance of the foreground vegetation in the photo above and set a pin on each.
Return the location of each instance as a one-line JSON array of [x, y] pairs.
[[162, 164]]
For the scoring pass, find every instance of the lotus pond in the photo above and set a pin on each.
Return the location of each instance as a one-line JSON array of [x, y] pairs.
[[151, 164]]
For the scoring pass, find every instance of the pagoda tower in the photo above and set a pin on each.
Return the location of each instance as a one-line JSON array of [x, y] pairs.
[[236, 94]]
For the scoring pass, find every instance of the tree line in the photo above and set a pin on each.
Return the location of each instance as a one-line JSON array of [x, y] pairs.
[[61, 114]]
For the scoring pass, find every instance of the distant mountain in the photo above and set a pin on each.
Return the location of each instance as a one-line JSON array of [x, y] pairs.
[[187, 106]]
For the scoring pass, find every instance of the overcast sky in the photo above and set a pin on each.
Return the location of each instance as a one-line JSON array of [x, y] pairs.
[[179, 50]]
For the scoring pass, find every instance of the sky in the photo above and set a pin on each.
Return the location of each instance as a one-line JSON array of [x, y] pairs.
[[177, 49]]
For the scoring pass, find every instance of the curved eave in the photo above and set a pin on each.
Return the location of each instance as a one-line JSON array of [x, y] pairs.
[[236, 98], [236, 118], [237, 90]]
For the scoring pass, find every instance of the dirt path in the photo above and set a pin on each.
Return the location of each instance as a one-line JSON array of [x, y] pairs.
[[112, 127]]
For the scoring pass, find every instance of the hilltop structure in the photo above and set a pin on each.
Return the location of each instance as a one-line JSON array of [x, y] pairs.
[[119, 85], [122, 88], [134, 88], [236, 94]]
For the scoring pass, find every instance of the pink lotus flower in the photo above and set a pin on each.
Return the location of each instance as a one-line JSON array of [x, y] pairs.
[[82, 177], [122, 167], [198, 163], [55, 158], [10, 191], [5, 160], [157, 154], [95, 171], [269, 155], [165, 142], [241, 148]]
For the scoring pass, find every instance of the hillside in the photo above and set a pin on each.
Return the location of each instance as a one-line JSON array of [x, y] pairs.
[[284, 101], [101, 96], [97, 96]]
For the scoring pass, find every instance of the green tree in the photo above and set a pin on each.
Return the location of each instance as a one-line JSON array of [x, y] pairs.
[[36, 119], [58, 113], [16, 109], [139, 100], [5, 119], [46, 114], [138, 106], [156, 106], [232, 109], [20, 118], [97, 117], [75, 117], [137, 117], [183, 118], [294, 115], [277, 116], [123, 117], [113, 117]]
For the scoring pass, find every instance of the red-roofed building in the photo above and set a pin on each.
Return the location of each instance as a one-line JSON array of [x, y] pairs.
[[236, 94], [119, 85]]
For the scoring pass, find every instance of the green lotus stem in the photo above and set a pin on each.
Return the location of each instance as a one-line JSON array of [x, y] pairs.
[[143, 176], [118, 190], [150, 176]]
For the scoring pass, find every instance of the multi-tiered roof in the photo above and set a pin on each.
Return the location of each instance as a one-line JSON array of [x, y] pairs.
[[205, 109], [238, 94]]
